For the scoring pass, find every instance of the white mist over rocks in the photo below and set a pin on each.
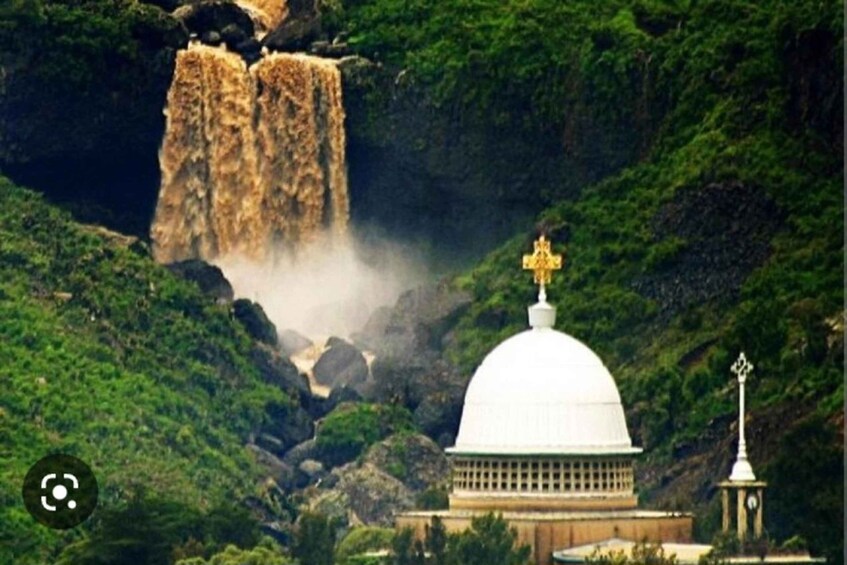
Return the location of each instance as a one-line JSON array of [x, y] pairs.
[[329, 286]]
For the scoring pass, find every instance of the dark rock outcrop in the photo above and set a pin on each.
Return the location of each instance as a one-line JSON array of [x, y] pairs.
[[722, 231], [252, 316], [422, 169], [341, 364], [290, 423], [208, 277], [274, 467], [298, 30], [418, 322], [222, 18], [373, 495], [310, 471], [413, 459], [300, 452], [386, 481], [291, 342], [279, 371], [408, 341], [81, 119]]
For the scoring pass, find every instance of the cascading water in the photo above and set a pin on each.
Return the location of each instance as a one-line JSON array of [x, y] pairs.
[[252, 160], [254, 180]]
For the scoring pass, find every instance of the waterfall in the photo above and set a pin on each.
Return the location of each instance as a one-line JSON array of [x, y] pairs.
[[254, 180], [252, 161]]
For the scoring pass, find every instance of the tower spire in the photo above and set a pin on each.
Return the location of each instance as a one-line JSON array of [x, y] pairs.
[[741, 470]]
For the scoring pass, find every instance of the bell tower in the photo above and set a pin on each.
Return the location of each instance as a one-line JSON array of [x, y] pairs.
[[749, 493]]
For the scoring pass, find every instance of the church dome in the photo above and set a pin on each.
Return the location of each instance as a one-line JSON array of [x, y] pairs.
[[542, 392]]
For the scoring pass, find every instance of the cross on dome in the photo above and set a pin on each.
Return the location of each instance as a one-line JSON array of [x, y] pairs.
[[542, 263]]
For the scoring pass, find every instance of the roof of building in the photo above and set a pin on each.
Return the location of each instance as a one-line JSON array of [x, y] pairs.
[[542, 392], [686, 553]]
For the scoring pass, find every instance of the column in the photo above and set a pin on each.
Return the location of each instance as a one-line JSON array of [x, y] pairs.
[[725, 504], [742, 514], [757, 525]]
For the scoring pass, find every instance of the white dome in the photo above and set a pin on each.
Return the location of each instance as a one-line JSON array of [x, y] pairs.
[[542, 392]]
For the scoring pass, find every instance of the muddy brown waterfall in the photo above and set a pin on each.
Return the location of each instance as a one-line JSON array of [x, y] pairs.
[[251, 160]]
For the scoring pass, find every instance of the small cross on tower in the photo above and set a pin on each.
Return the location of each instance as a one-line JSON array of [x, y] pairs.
[[542, 263]]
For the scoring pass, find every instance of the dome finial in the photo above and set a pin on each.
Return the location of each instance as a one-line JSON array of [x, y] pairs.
[[542, 263]]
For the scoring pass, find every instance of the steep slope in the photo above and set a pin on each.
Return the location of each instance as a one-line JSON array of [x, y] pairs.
[[106, 355], [727, 234]]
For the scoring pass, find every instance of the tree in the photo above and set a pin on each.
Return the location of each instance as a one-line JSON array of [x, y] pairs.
[[314, 540], [402, 547], [436, 541], [489, 541], [260, 555]]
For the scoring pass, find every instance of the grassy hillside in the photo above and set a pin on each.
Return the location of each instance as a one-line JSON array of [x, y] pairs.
[[106, 356], [726, 236]]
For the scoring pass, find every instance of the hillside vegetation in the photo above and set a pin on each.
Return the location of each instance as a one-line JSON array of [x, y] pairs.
[[726, 236], [107, 356], [720, 231]]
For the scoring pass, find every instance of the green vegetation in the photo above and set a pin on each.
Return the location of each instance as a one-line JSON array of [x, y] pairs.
[[259, 555], [349, 429], [314, 540], [489, 541], [107, 356], [807, 505], [150, 530], [100, 41], [360, 541], [718, 92]]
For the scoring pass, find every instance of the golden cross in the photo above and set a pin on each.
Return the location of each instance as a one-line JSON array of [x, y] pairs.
[[542, 262]]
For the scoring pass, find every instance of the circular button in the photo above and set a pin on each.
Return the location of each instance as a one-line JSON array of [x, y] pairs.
[[60, 491]]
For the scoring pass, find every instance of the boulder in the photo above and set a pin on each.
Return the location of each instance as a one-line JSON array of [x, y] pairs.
[[341, 364], [233, 34], [332, 503], [275, 468], [298, 30], [329, 50], [271, 443], [211, 37], [255, 321], [279, 371], [413, 459], [312, 470], [208, 277], [373, 496], [300, 452], [215, 16], [288, 422], [250, 50], [439, 414], [419, 321], [340, 395], [291, 342]]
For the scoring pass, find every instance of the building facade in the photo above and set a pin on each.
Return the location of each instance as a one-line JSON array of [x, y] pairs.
[[544, 442]]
